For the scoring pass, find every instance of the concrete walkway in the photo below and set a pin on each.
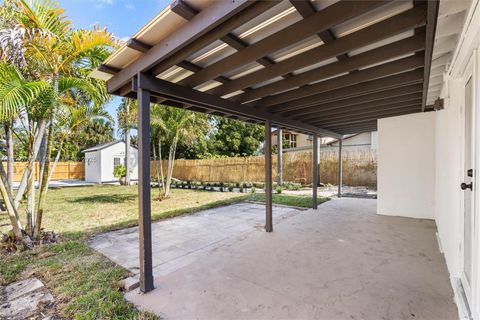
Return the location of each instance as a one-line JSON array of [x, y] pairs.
[[61, 183], [341, 261]]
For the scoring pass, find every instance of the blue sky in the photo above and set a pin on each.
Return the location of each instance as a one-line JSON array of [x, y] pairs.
[[122, 17]]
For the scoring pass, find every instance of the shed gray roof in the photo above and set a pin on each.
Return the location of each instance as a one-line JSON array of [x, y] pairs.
[[105, 145]]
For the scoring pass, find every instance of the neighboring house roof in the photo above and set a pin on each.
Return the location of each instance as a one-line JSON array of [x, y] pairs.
[[105, 145], [345, 138]]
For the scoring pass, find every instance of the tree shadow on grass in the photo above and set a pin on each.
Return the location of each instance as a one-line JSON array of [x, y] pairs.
[[103, 198]]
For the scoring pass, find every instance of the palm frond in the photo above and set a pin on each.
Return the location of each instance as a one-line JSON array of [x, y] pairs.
[[16, 92], [45, 15]]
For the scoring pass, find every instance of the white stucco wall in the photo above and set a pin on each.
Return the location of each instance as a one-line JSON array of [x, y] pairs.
[[448, 171], [93, 167], [406, 166], [449, 163], [117, 151]]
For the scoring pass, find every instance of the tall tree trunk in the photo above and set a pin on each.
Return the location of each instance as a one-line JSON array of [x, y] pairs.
[[57, 158], [42, 155], [157, 172], [10, 156], [127, 144], [30, 189], [161, 164], [43, 185], [8, 199], [171, 163], [31, 163]]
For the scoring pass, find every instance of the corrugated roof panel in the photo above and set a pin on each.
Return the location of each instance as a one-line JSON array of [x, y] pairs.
[[267, 20], [244, 70], [372, 17], [316, 65], [297, 48], [384, 42], [215, 52]]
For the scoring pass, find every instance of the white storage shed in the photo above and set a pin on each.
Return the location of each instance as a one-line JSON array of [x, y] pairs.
[[100, 161]]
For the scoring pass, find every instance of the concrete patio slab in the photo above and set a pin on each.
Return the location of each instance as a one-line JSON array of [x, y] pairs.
[[181, 241], [341, 261]]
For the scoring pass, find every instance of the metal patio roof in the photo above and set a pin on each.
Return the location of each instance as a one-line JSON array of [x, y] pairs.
[[330, 67]]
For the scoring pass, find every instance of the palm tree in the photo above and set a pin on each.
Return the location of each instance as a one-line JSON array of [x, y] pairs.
[[173, 124], [127, 120], [54, 54]]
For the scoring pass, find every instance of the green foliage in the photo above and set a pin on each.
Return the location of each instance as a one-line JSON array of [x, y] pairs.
[[278, 189], [119, 171], [234, 138]]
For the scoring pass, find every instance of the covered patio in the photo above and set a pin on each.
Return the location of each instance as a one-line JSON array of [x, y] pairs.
[[278, 63], [324, 68]]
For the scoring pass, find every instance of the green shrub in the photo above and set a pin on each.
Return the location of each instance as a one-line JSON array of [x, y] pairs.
[[230, 188], [241, 188], [253, 190], [278, 189], [119, 171]]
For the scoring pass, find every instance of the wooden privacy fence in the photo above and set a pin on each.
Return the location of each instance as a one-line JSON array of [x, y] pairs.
[[63, 170], [359, 168]]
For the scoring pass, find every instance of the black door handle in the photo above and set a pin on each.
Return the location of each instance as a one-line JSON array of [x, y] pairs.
[[465, 186]]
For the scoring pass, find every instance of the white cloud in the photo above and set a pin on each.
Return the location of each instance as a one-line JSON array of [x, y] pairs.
[[102, 3]]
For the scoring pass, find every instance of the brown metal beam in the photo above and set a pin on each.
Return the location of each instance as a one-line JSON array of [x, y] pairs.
[[203, 29], [306, 112], [340, 167], [267, 150], [190, 66], [362, 60], [138, 45], [178, 93], [306, 9], [144, 198], [320, 21], [411, 109], [432, 14], [108, 69], [353, 109], [366, 113], [238, 44], [377, 32], [187, 12], [358, 90], [372, 73], [315, 171], [183, 9]]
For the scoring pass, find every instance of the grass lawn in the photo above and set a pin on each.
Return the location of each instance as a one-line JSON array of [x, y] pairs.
[[85, 283], [289, 200]]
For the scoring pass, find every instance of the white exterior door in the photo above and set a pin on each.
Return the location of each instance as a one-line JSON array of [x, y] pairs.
[[468, 188]]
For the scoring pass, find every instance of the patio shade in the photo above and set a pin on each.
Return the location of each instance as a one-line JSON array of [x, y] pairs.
[[325, 67]]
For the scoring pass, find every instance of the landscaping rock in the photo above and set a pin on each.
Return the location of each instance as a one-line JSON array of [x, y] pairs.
[[23, 299], [130, 283], [18, 289]]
